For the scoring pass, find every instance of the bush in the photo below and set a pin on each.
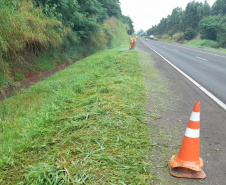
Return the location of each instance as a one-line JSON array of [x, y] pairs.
[[179, 37], [222, 39], [208, 27], [170, 33], [214, 28], [221, 34], [190, 34], [209, 43]]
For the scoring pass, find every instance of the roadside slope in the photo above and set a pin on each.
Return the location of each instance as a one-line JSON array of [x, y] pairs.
[[83, 125]]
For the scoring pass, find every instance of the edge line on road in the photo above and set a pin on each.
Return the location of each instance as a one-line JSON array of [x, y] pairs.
[[214, 98]]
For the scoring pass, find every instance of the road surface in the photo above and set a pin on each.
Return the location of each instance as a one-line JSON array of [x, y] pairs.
[[208, 68], [168, 131]]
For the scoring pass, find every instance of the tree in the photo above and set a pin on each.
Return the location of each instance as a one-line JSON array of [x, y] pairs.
[[63, 10], [153, 30], [162, 26], [93, 8], [127, 20], [193, 14], [189, 34], [219, 8], [206, 9], [221, 34], [81, 16], [195, 18], [176, 20], [209, 26], [112, 7], [141, 32]]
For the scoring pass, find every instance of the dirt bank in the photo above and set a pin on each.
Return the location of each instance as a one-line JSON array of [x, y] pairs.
[[31, 79]]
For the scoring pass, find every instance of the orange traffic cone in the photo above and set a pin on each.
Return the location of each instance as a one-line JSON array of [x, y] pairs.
[[187, 163]]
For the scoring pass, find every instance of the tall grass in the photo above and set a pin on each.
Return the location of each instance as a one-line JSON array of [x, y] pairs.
[[25, 29], [116, 32], [84, 125], [30, 41], [203, 43]]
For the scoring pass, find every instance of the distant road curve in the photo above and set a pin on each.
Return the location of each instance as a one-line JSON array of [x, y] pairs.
[[205, 68]]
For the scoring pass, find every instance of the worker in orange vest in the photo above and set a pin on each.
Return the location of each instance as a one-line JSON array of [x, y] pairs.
[[132, 42]]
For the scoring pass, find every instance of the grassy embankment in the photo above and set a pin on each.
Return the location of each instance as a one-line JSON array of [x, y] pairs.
[[84, 125], [196, 42], [31, 42]]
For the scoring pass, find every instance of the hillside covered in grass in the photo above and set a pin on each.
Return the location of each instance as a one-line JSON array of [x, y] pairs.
[[37, 35]]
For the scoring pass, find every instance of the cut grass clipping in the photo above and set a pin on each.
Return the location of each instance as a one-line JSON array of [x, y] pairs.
[[84, 125]]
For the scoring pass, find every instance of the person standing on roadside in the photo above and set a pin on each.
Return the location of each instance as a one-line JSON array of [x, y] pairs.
[[132, 42]]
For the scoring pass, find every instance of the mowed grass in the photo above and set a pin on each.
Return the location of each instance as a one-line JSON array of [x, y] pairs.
[[84, 125]]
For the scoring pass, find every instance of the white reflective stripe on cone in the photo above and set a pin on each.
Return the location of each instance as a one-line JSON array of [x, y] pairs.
[[192, 133], [195, 116]]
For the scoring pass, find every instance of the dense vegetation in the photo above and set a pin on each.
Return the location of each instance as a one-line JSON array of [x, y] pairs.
[[40, 34], [197, 18]]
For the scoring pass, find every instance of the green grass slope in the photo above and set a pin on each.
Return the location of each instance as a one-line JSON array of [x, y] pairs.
[[84, 125]]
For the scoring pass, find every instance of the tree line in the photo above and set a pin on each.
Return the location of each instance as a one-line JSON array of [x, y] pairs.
[[197, 18], [84, 17]]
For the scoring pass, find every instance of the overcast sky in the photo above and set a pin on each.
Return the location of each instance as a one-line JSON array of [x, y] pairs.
[[147, 13]]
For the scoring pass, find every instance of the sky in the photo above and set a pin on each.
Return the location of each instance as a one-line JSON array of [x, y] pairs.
[[147, 13]]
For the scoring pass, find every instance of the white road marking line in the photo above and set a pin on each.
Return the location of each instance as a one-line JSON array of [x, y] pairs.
[[175, 49], [214, 98], [204, 67], [201, 58]]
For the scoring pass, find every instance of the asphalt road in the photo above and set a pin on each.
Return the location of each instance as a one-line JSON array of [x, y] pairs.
[[208, 68], [168, 131]]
